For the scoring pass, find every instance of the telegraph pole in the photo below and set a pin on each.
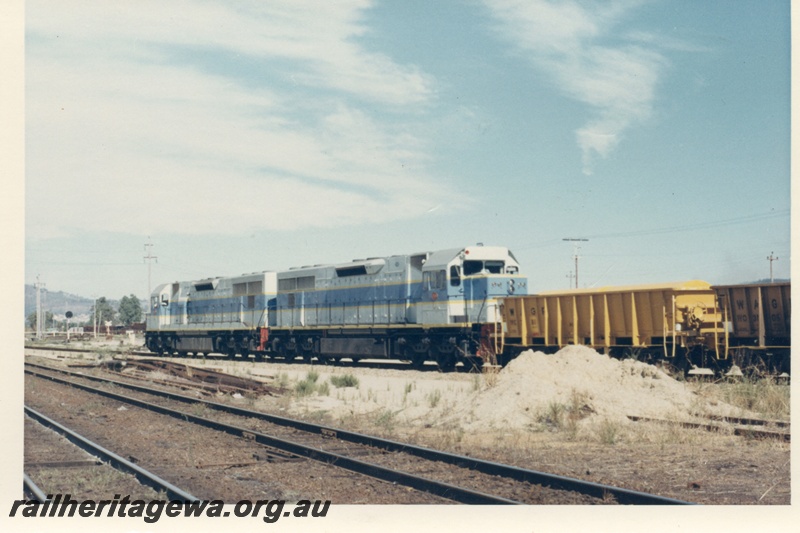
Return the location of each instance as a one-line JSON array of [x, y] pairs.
[[39, 312], [577, 248], [149, 257], [771, 258]]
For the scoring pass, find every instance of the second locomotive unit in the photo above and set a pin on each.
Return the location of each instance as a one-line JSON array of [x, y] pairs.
[[441, 306]]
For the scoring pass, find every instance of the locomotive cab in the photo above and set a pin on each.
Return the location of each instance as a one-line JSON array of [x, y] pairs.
[[463, 285]]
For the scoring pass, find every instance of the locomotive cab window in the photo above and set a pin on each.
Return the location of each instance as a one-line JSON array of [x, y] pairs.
[[455, 276], [434, 280], [472, 267]]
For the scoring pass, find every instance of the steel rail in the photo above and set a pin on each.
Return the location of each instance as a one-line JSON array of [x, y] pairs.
[[145, 477], [622, 496], [748, 421], [444, 490], [741, 431], [31, 488]]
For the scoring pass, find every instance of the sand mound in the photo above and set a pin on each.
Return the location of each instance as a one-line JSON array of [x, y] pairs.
[[579, 379]]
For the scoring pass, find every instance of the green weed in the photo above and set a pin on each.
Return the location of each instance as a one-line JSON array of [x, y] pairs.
[[347, 380]]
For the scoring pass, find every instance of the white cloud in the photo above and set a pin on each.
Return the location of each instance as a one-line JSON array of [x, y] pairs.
[[128, 130], [579, 46]]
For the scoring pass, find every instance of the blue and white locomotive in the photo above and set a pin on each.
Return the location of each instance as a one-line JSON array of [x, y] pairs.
[[440, 306]]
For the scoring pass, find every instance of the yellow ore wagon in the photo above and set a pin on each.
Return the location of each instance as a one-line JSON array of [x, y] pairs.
[[676, 322], [759, 319]]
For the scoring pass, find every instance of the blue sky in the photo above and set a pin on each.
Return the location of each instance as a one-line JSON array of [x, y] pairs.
[[248, 136]]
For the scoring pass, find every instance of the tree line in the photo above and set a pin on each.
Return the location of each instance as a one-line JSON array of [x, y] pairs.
[[128, 312]]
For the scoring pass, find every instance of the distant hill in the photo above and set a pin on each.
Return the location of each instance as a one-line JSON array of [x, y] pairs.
[[59, 302]]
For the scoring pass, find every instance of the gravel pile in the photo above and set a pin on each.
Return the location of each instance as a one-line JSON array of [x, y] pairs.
[[577, 380]]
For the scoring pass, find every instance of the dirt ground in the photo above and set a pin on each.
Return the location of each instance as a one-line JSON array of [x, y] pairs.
[[566, 414]]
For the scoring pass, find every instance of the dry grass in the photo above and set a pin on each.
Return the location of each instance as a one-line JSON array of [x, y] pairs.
[[765, 397], [99, 482]]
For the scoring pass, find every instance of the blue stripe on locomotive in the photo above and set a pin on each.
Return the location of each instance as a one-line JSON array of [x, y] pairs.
[[204, 310]]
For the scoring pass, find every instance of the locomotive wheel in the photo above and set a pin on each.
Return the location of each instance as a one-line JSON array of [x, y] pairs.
[[415, 357], [230, 348], [418, 360], [446, 361]]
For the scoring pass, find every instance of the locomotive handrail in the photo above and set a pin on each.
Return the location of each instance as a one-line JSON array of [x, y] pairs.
[[665, 324], [727, 340], [716, 332], [499, 345], [674, 327]]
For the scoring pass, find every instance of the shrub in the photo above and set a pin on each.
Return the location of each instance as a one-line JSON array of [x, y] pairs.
[[348, 380], [304, 388], [608, 432]]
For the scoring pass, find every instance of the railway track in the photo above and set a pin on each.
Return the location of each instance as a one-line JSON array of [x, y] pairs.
[[428, 366], [455, 477], [108, 457], [744, 427]]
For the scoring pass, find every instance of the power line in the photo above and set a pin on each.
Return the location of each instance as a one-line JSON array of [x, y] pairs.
[[656, 231], [696, 226]]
